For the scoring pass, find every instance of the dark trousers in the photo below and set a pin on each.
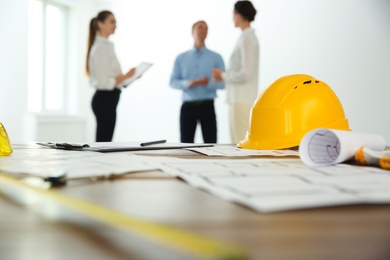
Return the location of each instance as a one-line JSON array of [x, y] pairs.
[[193, 112], [104, 104]]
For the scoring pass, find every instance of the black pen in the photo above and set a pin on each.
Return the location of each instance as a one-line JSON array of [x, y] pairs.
[[153, 142], [66, 146]]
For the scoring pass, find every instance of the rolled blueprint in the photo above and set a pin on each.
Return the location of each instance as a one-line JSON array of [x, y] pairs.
[[321, 147]]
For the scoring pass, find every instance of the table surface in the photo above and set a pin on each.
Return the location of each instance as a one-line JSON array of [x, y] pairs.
[[344, 232]]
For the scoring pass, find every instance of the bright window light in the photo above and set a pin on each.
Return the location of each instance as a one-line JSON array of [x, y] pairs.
[[35, 56], [46, 55], [54, 58]]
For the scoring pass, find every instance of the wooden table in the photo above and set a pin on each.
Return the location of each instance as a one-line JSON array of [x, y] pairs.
[[347, 232]]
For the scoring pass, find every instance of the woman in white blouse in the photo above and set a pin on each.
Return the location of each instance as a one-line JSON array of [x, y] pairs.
[[105, 74], [242, 76]]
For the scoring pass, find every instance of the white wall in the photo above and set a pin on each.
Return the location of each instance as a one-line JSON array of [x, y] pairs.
[[345, 43], [13, 66]]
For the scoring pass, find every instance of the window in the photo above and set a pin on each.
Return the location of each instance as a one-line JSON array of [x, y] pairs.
[[46, 57]]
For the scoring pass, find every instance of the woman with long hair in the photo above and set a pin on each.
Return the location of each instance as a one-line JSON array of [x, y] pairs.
[[105, 74], [242, 76]]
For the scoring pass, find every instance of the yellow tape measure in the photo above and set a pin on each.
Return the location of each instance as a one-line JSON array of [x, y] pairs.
[[177, 239]]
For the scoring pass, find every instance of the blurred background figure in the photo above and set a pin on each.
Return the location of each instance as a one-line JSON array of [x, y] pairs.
[[192, 74], [242, 76], [105, 74]]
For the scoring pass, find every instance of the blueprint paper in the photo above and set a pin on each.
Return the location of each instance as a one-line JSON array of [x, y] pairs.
[[42, 162], [232, 151], [326, 146], [264, 185], [273, 185]]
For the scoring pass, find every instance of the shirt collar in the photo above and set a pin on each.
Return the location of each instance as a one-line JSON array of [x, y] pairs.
[[101, 38], [201, 50], [248, 30]]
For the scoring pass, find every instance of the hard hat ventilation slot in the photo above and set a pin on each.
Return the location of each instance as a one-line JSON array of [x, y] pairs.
[[317, 81], [307, 82], [295, 87]]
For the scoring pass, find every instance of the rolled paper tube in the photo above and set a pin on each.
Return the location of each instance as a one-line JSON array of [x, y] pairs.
[[322, 147]]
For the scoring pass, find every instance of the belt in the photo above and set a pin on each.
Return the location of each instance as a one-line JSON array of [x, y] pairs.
[[109, 90], [199, 103]]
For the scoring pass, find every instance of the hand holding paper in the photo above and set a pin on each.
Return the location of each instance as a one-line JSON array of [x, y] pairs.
[[130, 73], [139, 70]]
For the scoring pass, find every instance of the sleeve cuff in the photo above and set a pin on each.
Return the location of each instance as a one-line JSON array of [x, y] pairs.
[[187, 84]]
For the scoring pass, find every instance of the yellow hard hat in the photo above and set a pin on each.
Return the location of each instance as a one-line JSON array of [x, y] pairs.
[[292, 106]]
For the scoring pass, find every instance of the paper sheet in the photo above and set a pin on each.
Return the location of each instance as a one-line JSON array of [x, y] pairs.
[[326, 147], [42, 162], [137, 147], [139, 70], [265, 185], [272, 185], [232, 151]]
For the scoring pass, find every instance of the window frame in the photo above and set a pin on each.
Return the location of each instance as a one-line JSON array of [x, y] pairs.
[[65, 71]]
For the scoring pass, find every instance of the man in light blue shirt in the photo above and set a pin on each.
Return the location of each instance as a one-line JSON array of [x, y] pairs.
[[192, 73]]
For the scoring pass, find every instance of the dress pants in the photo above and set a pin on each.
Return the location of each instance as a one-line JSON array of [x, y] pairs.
[[104, 103], [198, 111]]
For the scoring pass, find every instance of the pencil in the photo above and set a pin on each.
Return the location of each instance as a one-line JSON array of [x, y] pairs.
[[153, 142]]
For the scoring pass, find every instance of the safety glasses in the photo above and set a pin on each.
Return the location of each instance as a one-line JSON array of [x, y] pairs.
[[5, 145]]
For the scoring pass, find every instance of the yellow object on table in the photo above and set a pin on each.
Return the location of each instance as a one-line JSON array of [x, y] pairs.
[[5, 145], [288, 109], [366, 156]]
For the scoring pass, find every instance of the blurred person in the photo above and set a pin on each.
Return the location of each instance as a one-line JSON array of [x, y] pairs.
[[242, 75], [192, 74], [105, 74]]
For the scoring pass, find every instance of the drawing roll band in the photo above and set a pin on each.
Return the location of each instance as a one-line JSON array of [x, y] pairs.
[[321, 147]]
